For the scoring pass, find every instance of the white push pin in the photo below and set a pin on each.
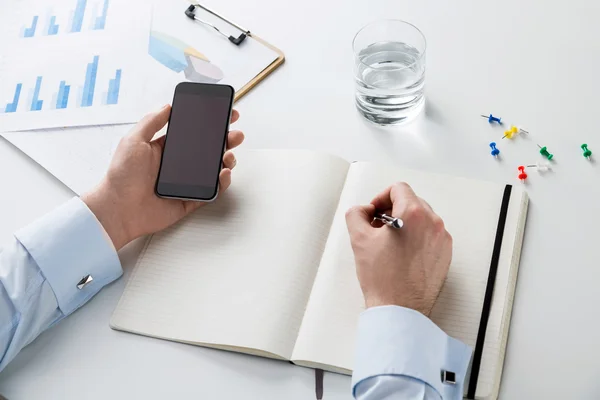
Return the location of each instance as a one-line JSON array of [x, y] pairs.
[[541, 166]]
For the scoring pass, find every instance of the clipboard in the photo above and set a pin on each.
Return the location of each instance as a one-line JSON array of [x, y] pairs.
[[190, 12], [258, 78]]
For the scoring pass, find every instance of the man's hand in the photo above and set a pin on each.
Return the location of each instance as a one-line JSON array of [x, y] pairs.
[[405, 267], [125, 202]]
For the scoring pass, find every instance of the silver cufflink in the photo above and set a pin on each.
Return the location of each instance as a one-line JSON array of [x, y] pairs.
[[448, 377], [84, 281]]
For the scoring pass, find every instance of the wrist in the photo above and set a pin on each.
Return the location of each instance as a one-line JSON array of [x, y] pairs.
[[377, 301], [105, 207]]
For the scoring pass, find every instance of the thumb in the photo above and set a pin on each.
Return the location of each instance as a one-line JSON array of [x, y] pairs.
[[152, 123], [359, 218]]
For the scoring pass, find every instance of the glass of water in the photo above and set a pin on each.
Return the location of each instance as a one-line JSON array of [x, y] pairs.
[[389, 68]]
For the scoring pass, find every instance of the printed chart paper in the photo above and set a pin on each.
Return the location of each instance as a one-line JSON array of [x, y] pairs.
[[72, 63]]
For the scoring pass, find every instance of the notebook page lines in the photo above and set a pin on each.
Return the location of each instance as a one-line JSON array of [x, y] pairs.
[[239, 271]]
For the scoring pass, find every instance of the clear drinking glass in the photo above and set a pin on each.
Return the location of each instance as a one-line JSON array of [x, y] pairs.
[[389, 68]]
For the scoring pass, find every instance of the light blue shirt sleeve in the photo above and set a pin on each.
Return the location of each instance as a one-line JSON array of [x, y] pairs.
[[401, 355], [40, 270]]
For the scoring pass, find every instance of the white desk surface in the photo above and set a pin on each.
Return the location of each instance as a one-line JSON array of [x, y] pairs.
[[534, 63]]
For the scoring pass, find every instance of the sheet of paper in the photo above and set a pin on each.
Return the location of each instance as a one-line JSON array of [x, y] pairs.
[[78, 157], [239, 271], [72, 63], [470, 211]]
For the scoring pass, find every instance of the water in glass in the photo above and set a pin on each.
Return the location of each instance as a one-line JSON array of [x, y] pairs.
[[390, 78]]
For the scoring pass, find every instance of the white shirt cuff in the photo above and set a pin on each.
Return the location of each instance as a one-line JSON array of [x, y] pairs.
[[394, 340], [68, 244]]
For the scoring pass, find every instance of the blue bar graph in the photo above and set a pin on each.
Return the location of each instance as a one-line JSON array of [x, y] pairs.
[[101, 20], [113, 89], [62, 99], [78, 16], [90, 83], [12, 107], [29, 32], [52, 26], [84, 94], [36, 103]]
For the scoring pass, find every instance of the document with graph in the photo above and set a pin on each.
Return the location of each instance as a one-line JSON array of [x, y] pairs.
[[72, 63]]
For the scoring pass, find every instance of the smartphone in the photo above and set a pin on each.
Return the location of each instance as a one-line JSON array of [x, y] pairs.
[[195, 142]]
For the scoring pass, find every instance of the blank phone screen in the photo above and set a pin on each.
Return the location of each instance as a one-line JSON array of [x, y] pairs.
[[194, 144]]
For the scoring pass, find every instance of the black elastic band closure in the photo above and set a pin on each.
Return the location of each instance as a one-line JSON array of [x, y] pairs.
[[489, 291], [319, 383]]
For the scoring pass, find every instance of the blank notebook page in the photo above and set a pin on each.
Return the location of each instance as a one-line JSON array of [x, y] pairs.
[[470, 210], [238, 272]]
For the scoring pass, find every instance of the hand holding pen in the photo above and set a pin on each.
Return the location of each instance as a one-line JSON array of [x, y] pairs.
[[405, 266]]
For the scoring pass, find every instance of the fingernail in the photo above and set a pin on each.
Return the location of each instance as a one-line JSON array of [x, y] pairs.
[[165, 106]]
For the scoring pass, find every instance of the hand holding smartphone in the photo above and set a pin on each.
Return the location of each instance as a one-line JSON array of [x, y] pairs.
[[195, 142]]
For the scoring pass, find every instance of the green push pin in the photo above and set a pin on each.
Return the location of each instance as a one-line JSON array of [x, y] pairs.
[[545, 153], [587, 153]]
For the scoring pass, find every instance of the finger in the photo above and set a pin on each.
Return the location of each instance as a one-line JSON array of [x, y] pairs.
[[151, 123], [229, 160], [235, 115], [394, 197], [359, 218], [234, 139], [160, 141], [224, 180]]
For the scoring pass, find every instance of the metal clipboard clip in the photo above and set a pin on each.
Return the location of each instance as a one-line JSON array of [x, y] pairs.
[[190, 12]]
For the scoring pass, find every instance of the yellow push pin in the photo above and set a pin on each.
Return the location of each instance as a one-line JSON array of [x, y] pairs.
[[513, 131]]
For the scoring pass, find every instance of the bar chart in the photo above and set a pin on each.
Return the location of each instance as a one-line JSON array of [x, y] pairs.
[[83, 15], [62, 97], [75, 63]]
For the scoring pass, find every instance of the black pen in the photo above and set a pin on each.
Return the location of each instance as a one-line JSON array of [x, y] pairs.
[[390, 221]]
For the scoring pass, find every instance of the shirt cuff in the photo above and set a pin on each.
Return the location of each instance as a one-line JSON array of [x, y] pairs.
[[394, 340], [67, 245]]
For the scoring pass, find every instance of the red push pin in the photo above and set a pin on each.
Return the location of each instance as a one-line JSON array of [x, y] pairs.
[[522, 175]]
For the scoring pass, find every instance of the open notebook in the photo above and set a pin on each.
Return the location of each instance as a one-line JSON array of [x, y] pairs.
[[268, 269]]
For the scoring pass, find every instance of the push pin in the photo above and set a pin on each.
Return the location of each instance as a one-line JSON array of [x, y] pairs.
[[541, 167], [492, 119], [587, 153], [545, 153], [513, 131], [495, 151], [522, 174]]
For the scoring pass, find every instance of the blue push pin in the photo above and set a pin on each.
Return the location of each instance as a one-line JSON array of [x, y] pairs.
[[492, 119], [495, 151]]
